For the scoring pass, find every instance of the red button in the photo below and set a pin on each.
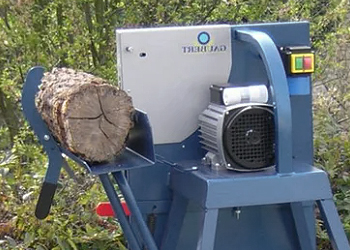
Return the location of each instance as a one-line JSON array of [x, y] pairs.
[[307, 62]]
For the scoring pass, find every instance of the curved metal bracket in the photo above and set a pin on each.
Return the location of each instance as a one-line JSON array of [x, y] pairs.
[[280, 94], [30, 88]]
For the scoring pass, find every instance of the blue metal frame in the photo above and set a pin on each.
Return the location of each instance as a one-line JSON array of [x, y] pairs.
[[333, 224], [132, 204], [213, 189], [51, 148], [119, 212], [280, 94], [292, 182], [193, 189]]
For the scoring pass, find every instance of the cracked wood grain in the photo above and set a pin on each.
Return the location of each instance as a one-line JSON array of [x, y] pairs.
[[85, 113]]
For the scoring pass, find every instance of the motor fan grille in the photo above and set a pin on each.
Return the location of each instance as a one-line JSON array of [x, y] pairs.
[[249, 138]]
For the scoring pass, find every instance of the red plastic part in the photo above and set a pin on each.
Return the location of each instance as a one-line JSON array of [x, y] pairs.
[[105, 209]]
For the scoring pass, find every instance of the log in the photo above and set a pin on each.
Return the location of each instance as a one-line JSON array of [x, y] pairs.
[[85, 114]]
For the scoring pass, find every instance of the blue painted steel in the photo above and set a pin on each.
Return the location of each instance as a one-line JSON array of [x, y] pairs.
[[127, 160], [280, 94], [302, 128], [207, 232], [174, 224], [119, 212], [158, 207], [214, 189], [299, 85], [69, 170], [139, 151], [167, 155], [247, 67], [251, 69], [257, 227], [305, 237], [333, 224], [30, 88], [134, 210]]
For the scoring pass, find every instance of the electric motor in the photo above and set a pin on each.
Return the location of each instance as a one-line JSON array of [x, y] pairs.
[[238, 136]]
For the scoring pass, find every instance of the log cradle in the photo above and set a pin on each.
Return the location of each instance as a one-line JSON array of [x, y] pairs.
[[86, 114]]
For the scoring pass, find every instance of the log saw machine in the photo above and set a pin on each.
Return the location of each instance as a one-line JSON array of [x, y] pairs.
[[221, 154]]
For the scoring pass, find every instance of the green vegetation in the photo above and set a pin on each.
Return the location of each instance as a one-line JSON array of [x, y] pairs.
[[80, 34]]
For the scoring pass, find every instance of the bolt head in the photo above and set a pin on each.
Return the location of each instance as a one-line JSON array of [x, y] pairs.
[[46, 137], [129, 49]]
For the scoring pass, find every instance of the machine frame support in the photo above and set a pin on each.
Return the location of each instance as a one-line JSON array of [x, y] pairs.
[[333, 224], [301, 226]]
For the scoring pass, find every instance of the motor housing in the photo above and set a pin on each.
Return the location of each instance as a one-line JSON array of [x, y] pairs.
[[239, 137]]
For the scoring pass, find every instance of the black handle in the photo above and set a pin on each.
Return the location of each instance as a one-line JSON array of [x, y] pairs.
[[45, 200]]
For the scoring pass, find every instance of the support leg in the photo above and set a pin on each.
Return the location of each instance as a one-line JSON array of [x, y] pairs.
[[118, 210], [175, 220], [333, 224], [135, 211], [300, 220], [207, 234]]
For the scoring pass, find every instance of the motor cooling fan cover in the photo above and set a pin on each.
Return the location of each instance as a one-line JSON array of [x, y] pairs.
[[248, 138]]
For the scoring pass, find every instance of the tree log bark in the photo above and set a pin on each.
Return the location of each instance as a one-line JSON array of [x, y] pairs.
[[85, 113]]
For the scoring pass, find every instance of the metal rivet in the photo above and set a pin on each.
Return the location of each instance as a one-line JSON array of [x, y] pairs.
[[129, 49], [229, 165], [183, 146], [46, 137], [238, 213]]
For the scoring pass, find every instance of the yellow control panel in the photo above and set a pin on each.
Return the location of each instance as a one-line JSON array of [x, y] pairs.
[[302, 63], [298, 59]]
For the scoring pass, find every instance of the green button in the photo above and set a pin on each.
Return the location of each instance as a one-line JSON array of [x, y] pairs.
[[299, 63]]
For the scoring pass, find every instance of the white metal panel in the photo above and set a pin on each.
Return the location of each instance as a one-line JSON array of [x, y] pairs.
[[168, 73]]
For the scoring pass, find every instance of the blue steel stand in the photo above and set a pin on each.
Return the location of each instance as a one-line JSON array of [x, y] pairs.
[[138, 153], [291, 182]]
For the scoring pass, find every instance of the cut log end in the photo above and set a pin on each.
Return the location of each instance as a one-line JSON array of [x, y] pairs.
[[86, 115]]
